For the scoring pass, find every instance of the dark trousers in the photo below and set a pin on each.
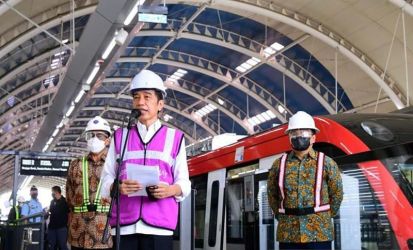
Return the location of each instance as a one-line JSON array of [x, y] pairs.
[[144, 242], [312, 245], [57, 238]]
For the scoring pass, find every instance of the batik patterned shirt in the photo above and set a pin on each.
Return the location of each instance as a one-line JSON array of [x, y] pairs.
[[299, 185], [86, 228]]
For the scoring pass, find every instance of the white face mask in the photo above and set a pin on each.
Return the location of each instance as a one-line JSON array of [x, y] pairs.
[[95, 145]]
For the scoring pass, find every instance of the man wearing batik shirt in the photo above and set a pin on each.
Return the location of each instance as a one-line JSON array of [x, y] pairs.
[[88, 211], [304, 190]]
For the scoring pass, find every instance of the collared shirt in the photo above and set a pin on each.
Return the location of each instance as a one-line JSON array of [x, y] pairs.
[[181, 177], [299, 183], [31, 207], [85, 229]]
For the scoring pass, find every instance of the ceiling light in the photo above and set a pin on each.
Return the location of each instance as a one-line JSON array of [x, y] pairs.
[[240, 69], [281, 109], [261, 118], [167, 117], [70, 110], [49, 141], [109, 49], [266, 116], [220, 101], [133, 12], [271, 114], [277, 46], [93, 74], [206, 110], [182, 71], [55, 132], [58, 54], [255, 120], [79, 96]]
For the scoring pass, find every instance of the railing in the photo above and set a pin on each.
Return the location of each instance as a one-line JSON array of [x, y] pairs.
[[22, 234]]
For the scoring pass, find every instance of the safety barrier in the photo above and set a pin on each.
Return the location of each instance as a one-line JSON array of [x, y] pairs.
[[23, 234]]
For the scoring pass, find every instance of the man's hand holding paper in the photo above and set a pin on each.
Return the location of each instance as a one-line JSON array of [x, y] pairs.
[[143, 176]]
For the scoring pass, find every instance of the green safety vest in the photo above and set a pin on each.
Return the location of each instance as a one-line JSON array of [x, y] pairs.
[[85, 185]]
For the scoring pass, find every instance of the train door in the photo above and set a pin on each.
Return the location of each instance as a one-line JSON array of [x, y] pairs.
[[249, 219], [213, 233]]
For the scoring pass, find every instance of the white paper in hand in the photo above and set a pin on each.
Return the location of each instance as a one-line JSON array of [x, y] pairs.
[[145, 175]]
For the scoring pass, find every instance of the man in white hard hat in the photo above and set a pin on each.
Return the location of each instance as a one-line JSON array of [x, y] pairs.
[[88, 211], [147, 222], [304, 190]]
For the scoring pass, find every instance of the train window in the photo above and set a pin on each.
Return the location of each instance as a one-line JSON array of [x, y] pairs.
[[199, 183], [238, 172], [213, 218], [363, 221], [377, 131], [235, 219]]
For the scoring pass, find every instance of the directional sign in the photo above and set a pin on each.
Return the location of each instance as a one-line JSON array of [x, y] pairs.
[[44, 167]]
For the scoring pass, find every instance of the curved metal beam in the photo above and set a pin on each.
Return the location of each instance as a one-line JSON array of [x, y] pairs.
[[30, 63], [302, 76], [297, 20], [189, 92], [206, 122], [113, 121], [173, 109], [46, 24], [119, 123], [243, 86], [30, 83], [25, 102]]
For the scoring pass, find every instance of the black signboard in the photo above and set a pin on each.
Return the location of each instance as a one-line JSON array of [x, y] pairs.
[[44, 167]]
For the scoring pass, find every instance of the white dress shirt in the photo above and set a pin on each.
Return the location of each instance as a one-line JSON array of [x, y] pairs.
[[181, 177]]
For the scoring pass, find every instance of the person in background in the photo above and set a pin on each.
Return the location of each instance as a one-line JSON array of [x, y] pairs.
[[304, 190], [147, 222], [15, 211], [33, 206], [57, 230], [88, 211]]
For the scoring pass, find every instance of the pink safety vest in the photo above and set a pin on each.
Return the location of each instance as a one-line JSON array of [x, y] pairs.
[[161, 151], [318, 207]]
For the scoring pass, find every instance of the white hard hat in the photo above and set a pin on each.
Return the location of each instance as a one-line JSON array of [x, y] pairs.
[[147, 79], [20, 199], [98, 123], [301, 120]]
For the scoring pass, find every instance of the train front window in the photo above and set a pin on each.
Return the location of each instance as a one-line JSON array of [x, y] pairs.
[[377, 130], [377, 197], [363, 221]]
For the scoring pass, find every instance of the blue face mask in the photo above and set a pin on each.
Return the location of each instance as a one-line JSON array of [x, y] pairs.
[[300, 143]]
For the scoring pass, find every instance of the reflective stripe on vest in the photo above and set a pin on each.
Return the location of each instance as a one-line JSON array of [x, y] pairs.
[[318, 185], [151, 154], [85, 186], [16, 209]]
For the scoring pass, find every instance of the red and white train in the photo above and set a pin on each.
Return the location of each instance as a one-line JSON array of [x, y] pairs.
[[374, 152]]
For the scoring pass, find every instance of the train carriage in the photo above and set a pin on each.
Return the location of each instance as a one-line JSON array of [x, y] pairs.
[[374, 153]]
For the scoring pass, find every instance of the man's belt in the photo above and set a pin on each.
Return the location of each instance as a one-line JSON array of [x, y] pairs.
[[299, 211]]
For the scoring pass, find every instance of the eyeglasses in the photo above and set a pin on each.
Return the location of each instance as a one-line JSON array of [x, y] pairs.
[[100, 135], [300, 132]]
